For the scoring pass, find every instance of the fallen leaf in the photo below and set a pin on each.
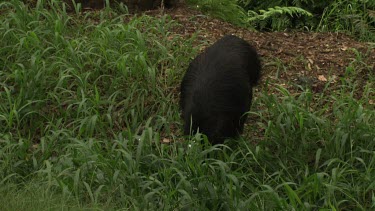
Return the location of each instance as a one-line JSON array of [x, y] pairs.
[[309, 66], [322, 78], [311, 61], [334, 78], [165, 140], [344, 48]]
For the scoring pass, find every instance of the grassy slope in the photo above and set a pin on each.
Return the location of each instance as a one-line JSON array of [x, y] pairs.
[[84, 104]]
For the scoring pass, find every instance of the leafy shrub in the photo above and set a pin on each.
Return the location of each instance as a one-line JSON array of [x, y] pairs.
[[277, 17], [353, 17]]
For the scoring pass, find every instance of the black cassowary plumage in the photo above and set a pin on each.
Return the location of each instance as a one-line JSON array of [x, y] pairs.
[[216, 91]]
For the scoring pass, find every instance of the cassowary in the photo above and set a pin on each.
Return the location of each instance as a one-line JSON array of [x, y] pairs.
[[216, 91]]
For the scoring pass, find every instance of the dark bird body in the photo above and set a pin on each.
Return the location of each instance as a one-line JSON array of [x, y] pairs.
[[216, 91]]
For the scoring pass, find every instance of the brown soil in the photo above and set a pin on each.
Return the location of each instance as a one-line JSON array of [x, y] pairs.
[[308, 56], [290, 59]]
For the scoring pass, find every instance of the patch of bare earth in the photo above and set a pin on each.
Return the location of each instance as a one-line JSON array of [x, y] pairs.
[[290, 59], [303, 53]]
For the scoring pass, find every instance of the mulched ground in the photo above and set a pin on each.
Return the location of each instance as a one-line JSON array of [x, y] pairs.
[[290, 59], [309, 57]]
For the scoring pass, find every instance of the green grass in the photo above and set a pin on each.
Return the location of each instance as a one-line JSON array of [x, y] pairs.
[[86, 100]]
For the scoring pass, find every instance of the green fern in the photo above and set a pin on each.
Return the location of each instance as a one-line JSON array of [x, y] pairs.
[[272, 12]]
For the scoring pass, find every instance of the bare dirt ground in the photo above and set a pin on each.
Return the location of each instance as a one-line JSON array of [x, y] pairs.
[[309, 57], [290, 59]]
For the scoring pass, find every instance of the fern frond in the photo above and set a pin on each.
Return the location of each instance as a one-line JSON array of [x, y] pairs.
[[271, 12]]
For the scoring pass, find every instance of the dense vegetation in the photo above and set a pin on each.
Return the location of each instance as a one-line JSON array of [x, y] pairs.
[[87, 99], [356, 17]]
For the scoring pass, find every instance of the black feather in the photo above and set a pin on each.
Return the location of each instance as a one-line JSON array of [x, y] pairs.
[[216, 90]]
